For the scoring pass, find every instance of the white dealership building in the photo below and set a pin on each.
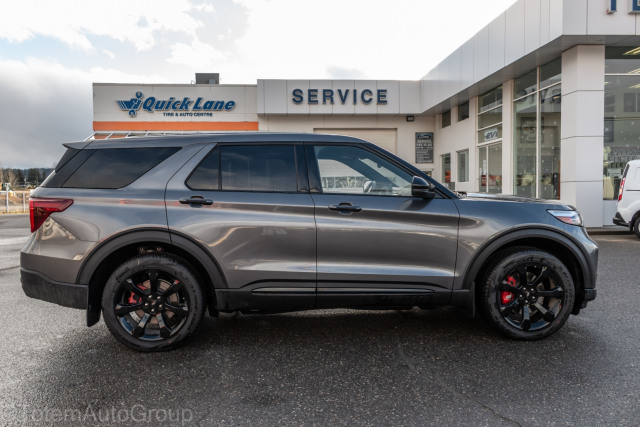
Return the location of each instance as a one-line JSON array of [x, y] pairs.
[[542, 102]]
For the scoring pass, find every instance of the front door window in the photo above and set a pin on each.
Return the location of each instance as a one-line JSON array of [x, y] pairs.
[[353, 170]]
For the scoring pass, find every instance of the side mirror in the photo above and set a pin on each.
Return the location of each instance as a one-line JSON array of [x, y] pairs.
[[421, 188]]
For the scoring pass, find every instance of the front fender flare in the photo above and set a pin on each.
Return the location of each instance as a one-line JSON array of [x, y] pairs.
[[464, 295]]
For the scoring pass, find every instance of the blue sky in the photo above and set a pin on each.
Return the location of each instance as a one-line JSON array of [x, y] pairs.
[[51, 51]]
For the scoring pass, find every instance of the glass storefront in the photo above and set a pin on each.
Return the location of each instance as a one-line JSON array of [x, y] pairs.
[[463, 166], [536, 144], [621, 115], [490, 141], [490, 167]]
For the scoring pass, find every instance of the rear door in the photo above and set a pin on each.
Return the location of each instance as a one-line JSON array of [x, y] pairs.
[[249, 206], [378, 245]]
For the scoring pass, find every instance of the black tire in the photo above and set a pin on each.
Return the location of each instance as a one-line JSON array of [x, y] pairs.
[[152, 302], [526, 293], [636, 227]]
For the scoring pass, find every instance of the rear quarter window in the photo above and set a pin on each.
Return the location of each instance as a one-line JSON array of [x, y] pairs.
[[116, 168]]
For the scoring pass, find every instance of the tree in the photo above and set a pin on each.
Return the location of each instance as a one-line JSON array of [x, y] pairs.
[[19, 180], [33, 177], [10, 176]]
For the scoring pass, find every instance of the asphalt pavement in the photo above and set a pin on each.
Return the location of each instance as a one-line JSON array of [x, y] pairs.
[[327, 367]]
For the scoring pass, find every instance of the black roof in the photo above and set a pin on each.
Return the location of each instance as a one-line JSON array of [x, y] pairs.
[[207, 138]]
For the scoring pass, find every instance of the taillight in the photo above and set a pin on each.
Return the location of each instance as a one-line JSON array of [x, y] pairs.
[[40, 209], [621, 188]]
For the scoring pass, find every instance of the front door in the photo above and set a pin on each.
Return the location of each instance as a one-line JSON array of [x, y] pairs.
[[378, 245]]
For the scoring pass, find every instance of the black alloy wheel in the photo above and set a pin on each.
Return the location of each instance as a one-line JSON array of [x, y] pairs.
[[528, 294], [152, 302]]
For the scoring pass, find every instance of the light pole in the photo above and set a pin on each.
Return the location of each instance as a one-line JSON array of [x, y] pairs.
[[6, 195]]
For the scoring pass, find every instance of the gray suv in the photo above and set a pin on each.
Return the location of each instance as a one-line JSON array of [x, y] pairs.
[[154, 231]]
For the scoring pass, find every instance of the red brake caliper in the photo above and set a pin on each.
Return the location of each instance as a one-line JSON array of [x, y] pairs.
[[505, 296], [133, 298]]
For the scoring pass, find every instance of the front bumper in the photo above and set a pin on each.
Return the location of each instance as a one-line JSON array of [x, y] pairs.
[[38, 286]]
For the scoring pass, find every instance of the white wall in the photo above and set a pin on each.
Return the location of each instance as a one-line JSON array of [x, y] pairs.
[[582, 134], [406, 131], [457, 137]]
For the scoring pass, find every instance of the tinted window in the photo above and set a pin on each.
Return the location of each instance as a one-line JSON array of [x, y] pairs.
[[205, 177], [446, 118], [116, 168], [68, 155], [258, 168], [463, 111], [67, 166]]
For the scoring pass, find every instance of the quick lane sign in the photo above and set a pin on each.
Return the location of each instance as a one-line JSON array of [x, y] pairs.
[[174, 106]]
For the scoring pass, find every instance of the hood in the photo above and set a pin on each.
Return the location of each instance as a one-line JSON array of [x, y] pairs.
[[519, 199]]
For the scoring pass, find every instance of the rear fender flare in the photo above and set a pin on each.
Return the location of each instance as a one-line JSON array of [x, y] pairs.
[[90, 273]]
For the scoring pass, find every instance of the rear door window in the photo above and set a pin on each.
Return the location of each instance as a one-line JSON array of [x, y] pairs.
[[265, 168], [258, 168]]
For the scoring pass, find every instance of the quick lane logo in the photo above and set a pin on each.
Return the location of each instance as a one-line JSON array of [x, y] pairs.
[[185, 104], [133, 105]]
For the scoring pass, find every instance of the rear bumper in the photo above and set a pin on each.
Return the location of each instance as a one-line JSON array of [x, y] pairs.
[[618, 220], [37, 286]]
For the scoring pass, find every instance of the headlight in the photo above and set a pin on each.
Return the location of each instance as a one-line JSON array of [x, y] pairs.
[[568, 217]]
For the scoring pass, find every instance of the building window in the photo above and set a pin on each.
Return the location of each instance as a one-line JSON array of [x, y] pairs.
[[463, 111], [490, 116], [446, 170], [621, 115], [463, 166], [490, 168], [446, 118], [490, 141], [537, 108]]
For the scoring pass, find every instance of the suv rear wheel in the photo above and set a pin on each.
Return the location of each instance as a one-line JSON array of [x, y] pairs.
[[527, 293], [152, 302]]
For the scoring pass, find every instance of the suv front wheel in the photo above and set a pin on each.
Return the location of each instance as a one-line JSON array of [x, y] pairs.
[[152, 302], [527, 293]]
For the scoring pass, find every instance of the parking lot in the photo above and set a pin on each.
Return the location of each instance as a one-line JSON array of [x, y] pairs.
[[325, 367]]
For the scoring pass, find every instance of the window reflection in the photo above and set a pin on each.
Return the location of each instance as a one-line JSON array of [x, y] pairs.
[[622, 115], [537, 110]]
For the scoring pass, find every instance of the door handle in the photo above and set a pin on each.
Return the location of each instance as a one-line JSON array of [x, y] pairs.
[[196, 200], [345, 208]]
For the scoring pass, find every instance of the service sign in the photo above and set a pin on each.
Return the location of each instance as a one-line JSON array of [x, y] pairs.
[[424, 147], [330, 96]]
